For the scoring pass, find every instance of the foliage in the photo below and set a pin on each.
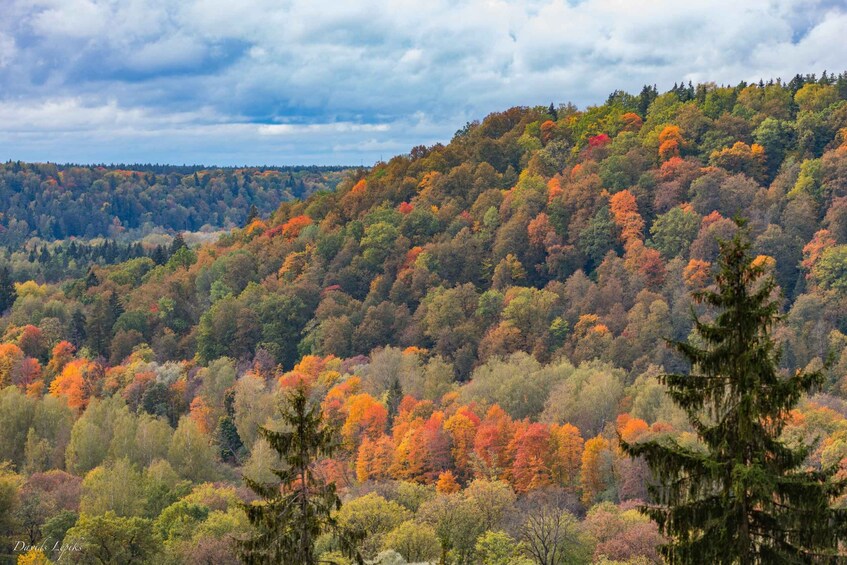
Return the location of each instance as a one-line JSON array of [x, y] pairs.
[[743, 496], [292, 514]]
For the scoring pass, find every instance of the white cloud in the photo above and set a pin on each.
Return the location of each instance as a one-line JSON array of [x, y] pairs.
[[343, 71]]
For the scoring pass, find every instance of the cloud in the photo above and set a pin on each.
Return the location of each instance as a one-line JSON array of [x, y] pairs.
[[357, 79]]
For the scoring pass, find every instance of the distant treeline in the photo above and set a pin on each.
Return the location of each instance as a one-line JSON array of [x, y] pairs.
[[53, 202]]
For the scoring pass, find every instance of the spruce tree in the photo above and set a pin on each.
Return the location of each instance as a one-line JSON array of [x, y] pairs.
[[177, 243], [292, 514], [252, 214], [744, 496], [8, 294]]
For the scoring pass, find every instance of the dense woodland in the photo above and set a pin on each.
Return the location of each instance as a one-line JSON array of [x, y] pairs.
[[484, 322], [56, 202]]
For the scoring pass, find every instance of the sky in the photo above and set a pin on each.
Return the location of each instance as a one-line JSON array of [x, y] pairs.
[[350, 82]]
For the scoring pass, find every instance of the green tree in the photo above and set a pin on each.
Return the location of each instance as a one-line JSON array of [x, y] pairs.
[[742, 497], [112, 540], [673, 231], [292, 514], [831, 271], [191, 453], [415, 542], [116, 488], [8, 294], [499, 548], [598, 238], [372, 516]]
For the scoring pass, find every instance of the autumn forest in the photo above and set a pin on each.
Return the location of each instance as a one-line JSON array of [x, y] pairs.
[[480, 331]]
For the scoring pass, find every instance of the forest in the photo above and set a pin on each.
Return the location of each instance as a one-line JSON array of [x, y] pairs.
[[483, 324], [48, 202]]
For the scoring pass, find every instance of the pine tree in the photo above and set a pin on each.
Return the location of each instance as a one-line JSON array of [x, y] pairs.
[[8, 294], [744, 497], [293, 513], [252, 214], [177, 244], [393, 397]]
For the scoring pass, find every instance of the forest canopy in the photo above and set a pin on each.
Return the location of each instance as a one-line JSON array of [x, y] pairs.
[[482, 322]]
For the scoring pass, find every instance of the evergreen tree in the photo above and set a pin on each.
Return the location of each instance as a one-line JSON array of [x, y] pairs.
[[393, 397], [159, 256], [293, 513], [8, 294], [91, 279], [77, 332], [252, 214], [177, 244], [744, 497]]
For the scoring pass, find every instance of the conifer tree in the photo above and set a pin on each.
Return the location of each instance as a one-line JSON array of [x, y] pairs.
[[252, 214], [292, 514], [745, 497], [8, 294]]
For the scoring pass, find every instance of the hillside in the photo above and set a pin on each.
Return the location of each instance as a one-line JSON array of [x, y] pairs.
[[51, 202], [482, 319]]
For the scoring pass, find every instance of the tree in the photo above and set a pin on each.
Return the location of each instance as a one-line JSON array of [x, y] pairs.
[[551, 535], [111, 539], [291, 515], [191, 453], [372, 517], [499, 548], [415, 542], [116, 488], [8, 294], [743, 497]]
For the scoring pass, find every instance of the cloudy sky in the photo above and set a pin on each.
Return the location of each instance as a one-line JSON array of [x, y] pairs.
[[349, 81]]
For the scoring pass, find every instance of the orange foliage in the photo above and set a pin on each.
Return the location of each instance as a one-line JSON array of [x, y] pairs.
[[540, 230], [491, 444], [596, 460], [256, 227], [813, 250], [374, 459], [554, 189], [11, 359], [63, 352], [407, 462], [548, 128], [446, 483], [631, 429], [201, 413], [624, 210], [697, 273], [405, 208], [306, 372], [462, 428], [645, 261], [569, 445], [35, 389], [670, 142], [631, 122], [292, 228], [365, 418], [333, 403], [741, 158], [534, 460], [359, 187], [75, 383], [424, 451]]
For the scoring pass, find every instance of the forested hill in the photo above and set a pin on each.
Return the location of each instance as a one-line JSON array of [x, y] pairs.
[[547, 230], [51, 201], [483, 321]]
